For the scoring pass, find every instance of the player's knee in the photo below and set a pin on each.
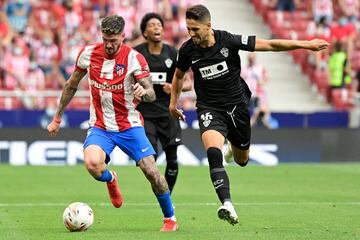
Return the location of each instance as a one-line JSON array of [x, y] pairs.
[[215, 157], [151, 173], [93, 165]]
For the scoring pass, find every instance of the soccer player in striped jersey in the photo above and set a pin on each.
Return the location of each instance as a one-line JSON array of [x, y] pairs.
[[119, 79]]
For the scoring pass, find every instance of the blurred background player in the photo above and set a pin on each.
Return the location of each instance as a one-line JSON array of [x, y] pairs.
[[119, 79], [339, 71], [254, 75], [158, 123], [222, 95]]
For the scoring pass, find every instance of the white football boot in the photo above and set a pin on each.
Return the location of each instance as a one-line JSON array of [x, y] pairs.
[[228, 154], [227, 213]]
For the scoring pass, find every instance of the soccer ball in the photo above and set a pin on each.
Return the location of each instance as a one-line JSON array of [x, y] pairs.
[[78, 217]]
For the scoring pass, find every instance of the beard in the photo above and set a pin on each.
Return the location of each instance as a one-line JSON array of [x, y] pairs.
[[196, 40], [111, 50]]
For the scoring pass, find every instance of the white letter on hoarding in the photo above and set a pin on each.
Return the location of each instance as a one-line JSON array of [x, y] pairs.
[[74, 152], [262, 153], [38, 151], [17, 153]]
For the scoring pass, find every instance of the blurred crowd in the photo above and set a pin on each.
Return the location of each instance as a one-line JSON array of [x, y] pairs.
[[336, 72], [40, 39]]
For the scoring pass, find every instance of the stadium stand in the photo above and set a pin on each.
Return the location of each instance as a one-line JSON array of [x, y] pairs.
[[50, 33], [296, 24]]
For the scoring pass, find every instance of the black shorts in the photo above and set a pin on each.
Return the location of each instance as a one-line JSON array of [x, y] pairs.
[[165, 129], [233, 123]]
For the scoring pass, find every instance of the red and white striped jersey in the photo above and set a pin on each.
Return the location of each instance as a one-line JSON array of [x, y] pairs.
[[111, 80]]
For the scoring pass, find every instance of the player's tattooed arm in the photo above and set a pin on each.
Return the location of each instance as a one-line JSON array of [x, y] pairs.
[[69, 91], [144, 90]]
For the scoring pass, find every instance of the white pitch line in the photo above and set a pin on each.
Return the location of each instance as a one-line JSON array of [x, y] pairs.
[[48, 204]]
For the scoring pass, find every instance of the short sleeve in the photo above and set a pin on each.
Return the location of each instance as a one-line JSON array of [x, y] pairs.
[[142, 70], [183, 62], [242, 42], [83, 59]]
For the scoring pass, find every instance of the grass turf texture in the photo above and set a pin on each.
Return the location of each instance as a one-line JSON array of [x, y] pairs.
[[319, 201]]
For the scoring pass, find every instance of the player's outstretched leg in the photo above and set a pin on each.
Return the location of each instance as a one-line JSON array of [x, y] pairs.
[[227, 212], [161, 191]]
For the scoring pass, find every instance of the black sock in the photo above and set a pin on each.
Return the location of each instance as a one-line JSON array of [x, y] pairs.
[[172, 168], [171, 173], [218, 174]]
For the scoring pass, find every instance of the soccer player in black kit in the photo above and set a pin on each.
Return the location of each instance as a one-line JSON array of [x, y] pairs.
[[158, 123], [222, 95]]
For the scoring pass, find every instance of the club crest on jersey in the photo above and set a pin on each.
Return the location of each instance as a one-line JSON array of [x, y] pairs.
[[168, 62], [119, 69], [225, 52]]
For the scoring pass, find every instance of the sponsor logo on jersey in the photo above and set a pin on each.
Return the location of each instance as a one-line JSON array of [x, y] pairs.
[[225, 52], [214, 71], [106, 86], [158, 77], [119, 68], [168, 63]]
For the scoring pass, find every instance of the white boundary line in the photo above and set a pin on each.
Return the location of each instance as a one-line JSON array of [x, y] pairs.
[[178, 204]]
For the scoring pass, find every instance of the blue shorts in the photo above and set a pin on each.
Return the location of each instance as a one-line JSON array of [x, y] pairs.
[[132, 141]]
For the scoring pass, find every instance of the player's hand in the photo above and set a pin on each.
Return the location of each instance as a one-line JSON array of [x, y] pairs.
[[54, 127], [167, 88], [318, 45], [139, 91], [177, 113]]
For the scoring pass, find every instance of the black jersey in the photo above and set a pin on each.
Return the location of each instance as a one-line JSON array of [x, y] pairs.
[[217, 80], [162, 68]]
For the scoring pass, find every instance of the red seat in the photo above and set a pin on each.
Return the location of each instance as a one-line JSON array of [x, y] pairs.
[[322, 82], [339, 99], [300, 25]]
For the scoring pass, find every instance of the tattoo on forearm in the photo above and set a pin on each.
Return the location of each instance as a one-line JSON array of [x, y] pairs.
[[69, 91], [148, 86], [67, 94]]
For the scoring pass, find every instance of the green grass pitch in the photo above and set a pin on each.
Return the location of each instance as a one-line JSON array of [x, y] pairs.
[[290, 201]]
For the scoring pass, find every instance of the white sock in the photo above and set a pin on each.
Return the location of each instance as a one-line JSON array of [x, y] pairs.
[[228, 204], [173, 218]]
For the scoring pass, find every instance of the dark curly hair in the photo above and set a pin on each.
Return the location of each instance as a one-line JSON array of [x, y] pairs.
[[113, 24], [146, 18]]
